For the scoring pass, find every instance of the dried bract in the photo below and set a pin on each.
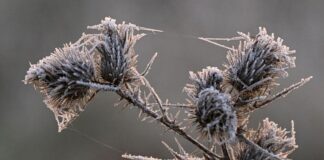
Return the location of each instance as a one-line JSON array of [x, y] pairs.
[[57, 77]]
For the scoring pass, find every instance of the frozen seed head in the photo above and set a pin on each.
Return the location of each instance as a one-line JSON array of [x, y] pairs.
[[256, 63], [117, 57], [56, 77], [214, 115], [208, 77], [271, 138]]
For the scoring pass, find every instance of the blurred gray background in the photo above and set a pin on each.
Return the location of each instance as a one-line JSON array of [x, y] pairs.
[[31, 29]]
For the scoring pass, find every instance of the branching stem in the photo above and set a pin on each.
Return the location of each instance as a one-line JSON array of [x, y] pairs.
[[283, 93], [166, 121]]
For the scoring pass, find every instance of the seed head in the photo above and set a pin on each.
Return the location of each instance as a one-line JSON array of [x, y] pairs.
[[115, 45], [56, 77], [271, 138], [215, 116], [208, 77], [256, 64], [253, 68]]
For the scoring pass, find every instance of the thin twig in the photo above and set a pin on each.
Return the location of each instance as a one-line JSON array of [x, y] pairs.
[[226, 39], [283, 93], [215, 43], [149, 65], [181, 149], [148, 85], [133, 157], [148, 29], [174, 153], [175, 105], [155, 95], [242, 103]]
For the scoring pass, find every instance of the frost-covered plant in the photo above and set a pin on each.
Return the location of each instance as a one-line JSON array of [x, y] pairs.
[[220, 100], [60, 78]]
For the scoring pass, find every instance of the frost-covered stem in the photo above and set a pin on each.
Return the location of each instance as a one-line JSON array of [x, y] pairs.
[[226, 39], [148, 85], [149, 65], [104, 87], [133, 157], [174, 105], [174, 153], [164, 120], [215, 43], [283, 93], [155, 95]]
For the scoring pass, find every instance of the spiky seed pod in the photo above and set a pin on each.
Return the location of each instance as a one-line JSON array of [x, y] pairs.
[[253, 68], [56, 77], [215, 116], [271, 138], [256, 64], [208, 77], [117, 60]]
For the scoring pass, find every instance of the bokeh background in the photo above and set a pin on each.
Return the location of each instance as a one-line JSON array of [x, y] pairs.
[[31, 29]]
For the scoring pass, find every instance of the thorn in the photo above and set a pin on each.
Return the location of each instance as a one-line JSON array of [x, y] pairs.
[[149, 29], [217, 44], [149, 65]]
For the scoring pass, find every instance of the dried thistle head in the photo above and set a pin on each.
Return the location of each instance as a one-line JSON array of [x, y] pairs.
[[271, 138], [208, 77], [213, 112], [57, 77], [255, 64], [253, 68], [117, 58], [214, 115]]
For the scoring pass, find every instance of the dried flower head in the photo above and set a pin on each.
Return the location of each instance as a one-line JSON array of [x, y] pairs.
[[271, 138], [255, 65], [253, 68], [215, 116], [117, 57], [208, 77], [57, 76]]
